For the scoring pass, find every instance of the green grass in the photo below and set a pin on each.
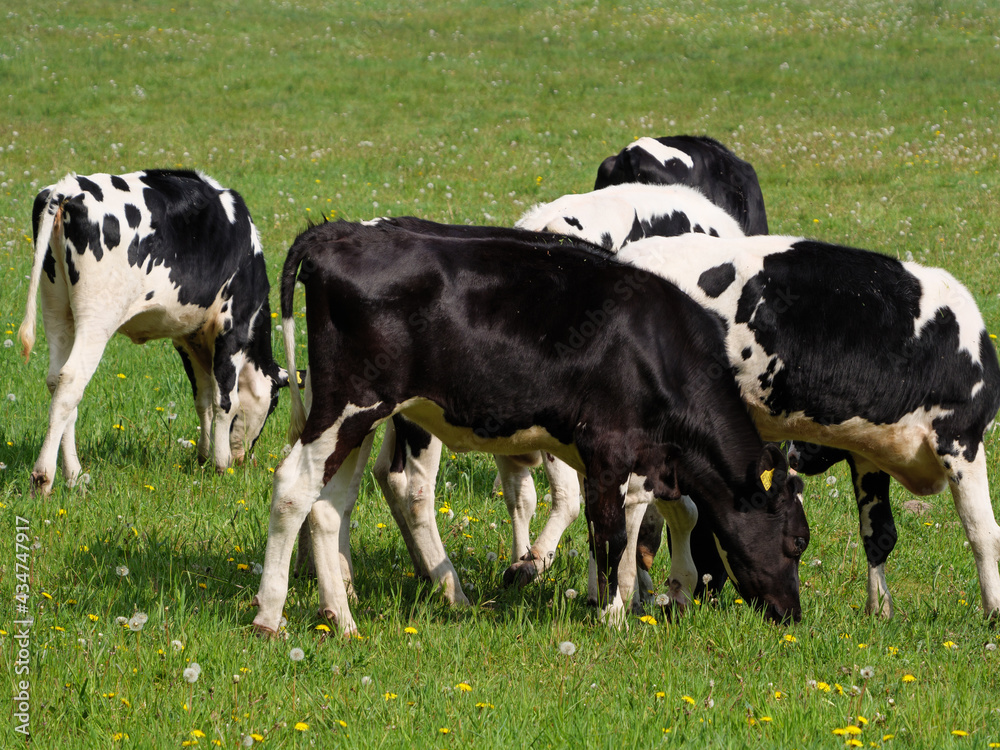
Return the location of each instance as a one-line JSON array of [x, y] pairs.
[[876, 124]]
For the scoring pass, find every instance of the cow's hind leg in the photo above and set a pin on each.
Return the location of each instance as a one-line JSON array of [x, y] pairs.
[[564, 484], [681, 515], [70, 384], [970, 490], [605, 510], [226, 365], [878, 529], [406, 470]]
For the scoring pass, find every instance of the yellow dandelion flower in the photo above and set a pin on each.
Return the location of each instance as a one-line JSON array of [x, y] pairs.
[[840, 731], [862, 721], [189, 743], [959, 733], [778, 695], [47, 595], [301, 726], [93, 618], [789, 638], [390, 696], [661, 695], [380, 525], [121, 375], [342, 723], [852, 729], [463, 687], [242, 566], [444, 730], [482, 704], [119, 736], [854, 743], [737, 600], [862, 645], [648, 619], [688, 699], [202, 586], [887, 737], [323, 628], [766, 718], [257, 737], [839, 688], [410, 630], [197, 733], [909, 678]]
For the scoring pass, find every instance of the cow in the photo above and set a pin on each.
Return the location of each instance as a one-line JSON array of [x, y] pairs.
[[476, 337], [152, 254], [697, 161], [616, 215], [886, 363]]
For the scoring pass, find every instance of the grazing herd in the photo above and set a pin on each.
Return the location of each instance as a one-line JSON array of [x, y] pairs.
[[641, 342]]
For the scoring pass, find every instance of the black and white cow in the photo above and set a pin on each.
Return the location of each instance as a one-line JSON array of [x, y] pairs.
[[154, 254], [697, 161], [477, 344], [616, 215], [886, 362]]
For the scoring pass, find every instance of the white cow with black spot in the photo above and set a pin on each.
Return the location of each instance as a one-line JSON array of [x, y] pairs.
[[154, 254]]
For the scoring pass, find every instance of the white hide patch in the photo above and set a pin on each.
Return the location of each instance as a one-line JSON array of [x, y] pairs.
[[612, 211], [939, 289], [664, 154]]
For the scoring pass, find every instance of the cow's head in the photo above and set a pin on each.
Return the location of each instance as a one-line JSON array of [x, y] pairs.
[[258, 391], [762, 541]]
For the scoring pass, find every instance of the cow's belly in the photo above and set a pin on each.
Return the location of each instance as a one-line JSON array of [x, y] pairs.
[[905, 449], [430, 416]]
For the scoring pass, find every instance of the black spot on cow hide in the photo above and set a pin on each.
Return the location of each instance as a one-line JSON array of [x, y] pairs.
[[716, 280], [119, 183]]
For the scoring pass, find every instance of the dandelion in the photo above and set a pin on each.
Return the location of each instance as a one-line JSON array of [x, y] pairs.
[[991, 647], [463, 687], [823, 687], [688, 699], [301, 726], [571, 594], [662, 600], [342, 723], [483, 704], [390, 696], [366, 680], [410, 630], [959, 733], [648, 619], [93, 618], [491, 556], [11, 397], [567, 648], [444, 730], [296, 654], [197, 733], [660, 695], [867, 672], [950, 645], [7, 344], [789, 638], [191, 674], [177, 645], [909, 678], [122, 571], [323, 628]]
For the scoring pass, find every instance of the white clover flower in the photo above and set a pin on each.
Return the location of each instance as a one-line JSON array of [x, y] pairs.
[[571, 594], [296, 654], [567, 648]]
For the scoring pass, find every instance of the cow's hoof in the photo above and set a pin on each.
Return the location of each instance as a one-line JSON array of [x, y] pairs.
[[520, 573], [40, 484], [263, 631]]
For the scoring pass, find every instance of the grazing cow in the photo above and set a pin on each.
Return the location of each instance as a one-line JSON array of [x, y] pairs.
[[696, 161], [888, 363], [154, 254], [616, 215], [510, 345]]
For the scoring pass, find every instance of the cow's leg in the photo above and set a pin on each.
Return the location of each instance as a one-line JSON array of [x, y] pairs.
[[305, 562], [201, 389], [564, 484], [647, 545], [637, 500], [60, 334], [605, 511], [520, 497], [970, 489], [305, 472], [76, 372], [406, 470], [329, 526], [681, 516], [226, 365], [878, 529]]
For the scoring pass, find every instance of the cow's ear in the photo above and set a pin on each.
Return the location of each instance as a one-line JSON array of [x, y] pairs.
[[300, 378], [772, 469], [282, 380]]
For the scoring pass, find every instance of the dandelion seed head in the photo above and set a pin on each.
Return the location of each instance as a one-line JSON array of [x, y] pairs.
[[571, 593], [296, 654], [567, 648], [191, 674], [366, 680], [867, 672]]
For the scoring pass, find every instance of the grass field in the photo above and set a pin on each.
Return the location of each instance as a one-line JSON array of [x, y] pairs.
[[874, 123]]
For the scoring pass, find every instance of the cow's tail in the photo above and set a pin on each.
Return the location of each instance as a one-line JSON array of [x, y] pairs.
[[296, 255], [50, 228]]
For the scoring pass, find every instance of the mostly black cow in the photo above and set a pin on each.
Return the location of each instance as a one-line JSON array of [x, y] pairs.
[[477, 332], [697, 161], [887, 362], [154, 254]]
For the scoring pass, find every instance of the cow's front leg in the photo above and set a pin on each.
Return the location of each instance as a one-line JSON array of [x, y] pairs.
[[680, 515], [647, 545], [564, 485], [878, 529], [970, 489], [201, 389], [605, 510], [406, 470], [226, 366]]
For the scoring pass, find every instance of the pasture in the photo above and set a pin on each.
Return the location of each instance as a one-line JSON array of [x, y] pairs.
[[874, 124]]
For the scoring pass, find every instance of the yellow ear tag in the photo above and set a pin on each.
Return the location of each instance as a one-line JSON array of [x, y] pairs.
[[766, 477]]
